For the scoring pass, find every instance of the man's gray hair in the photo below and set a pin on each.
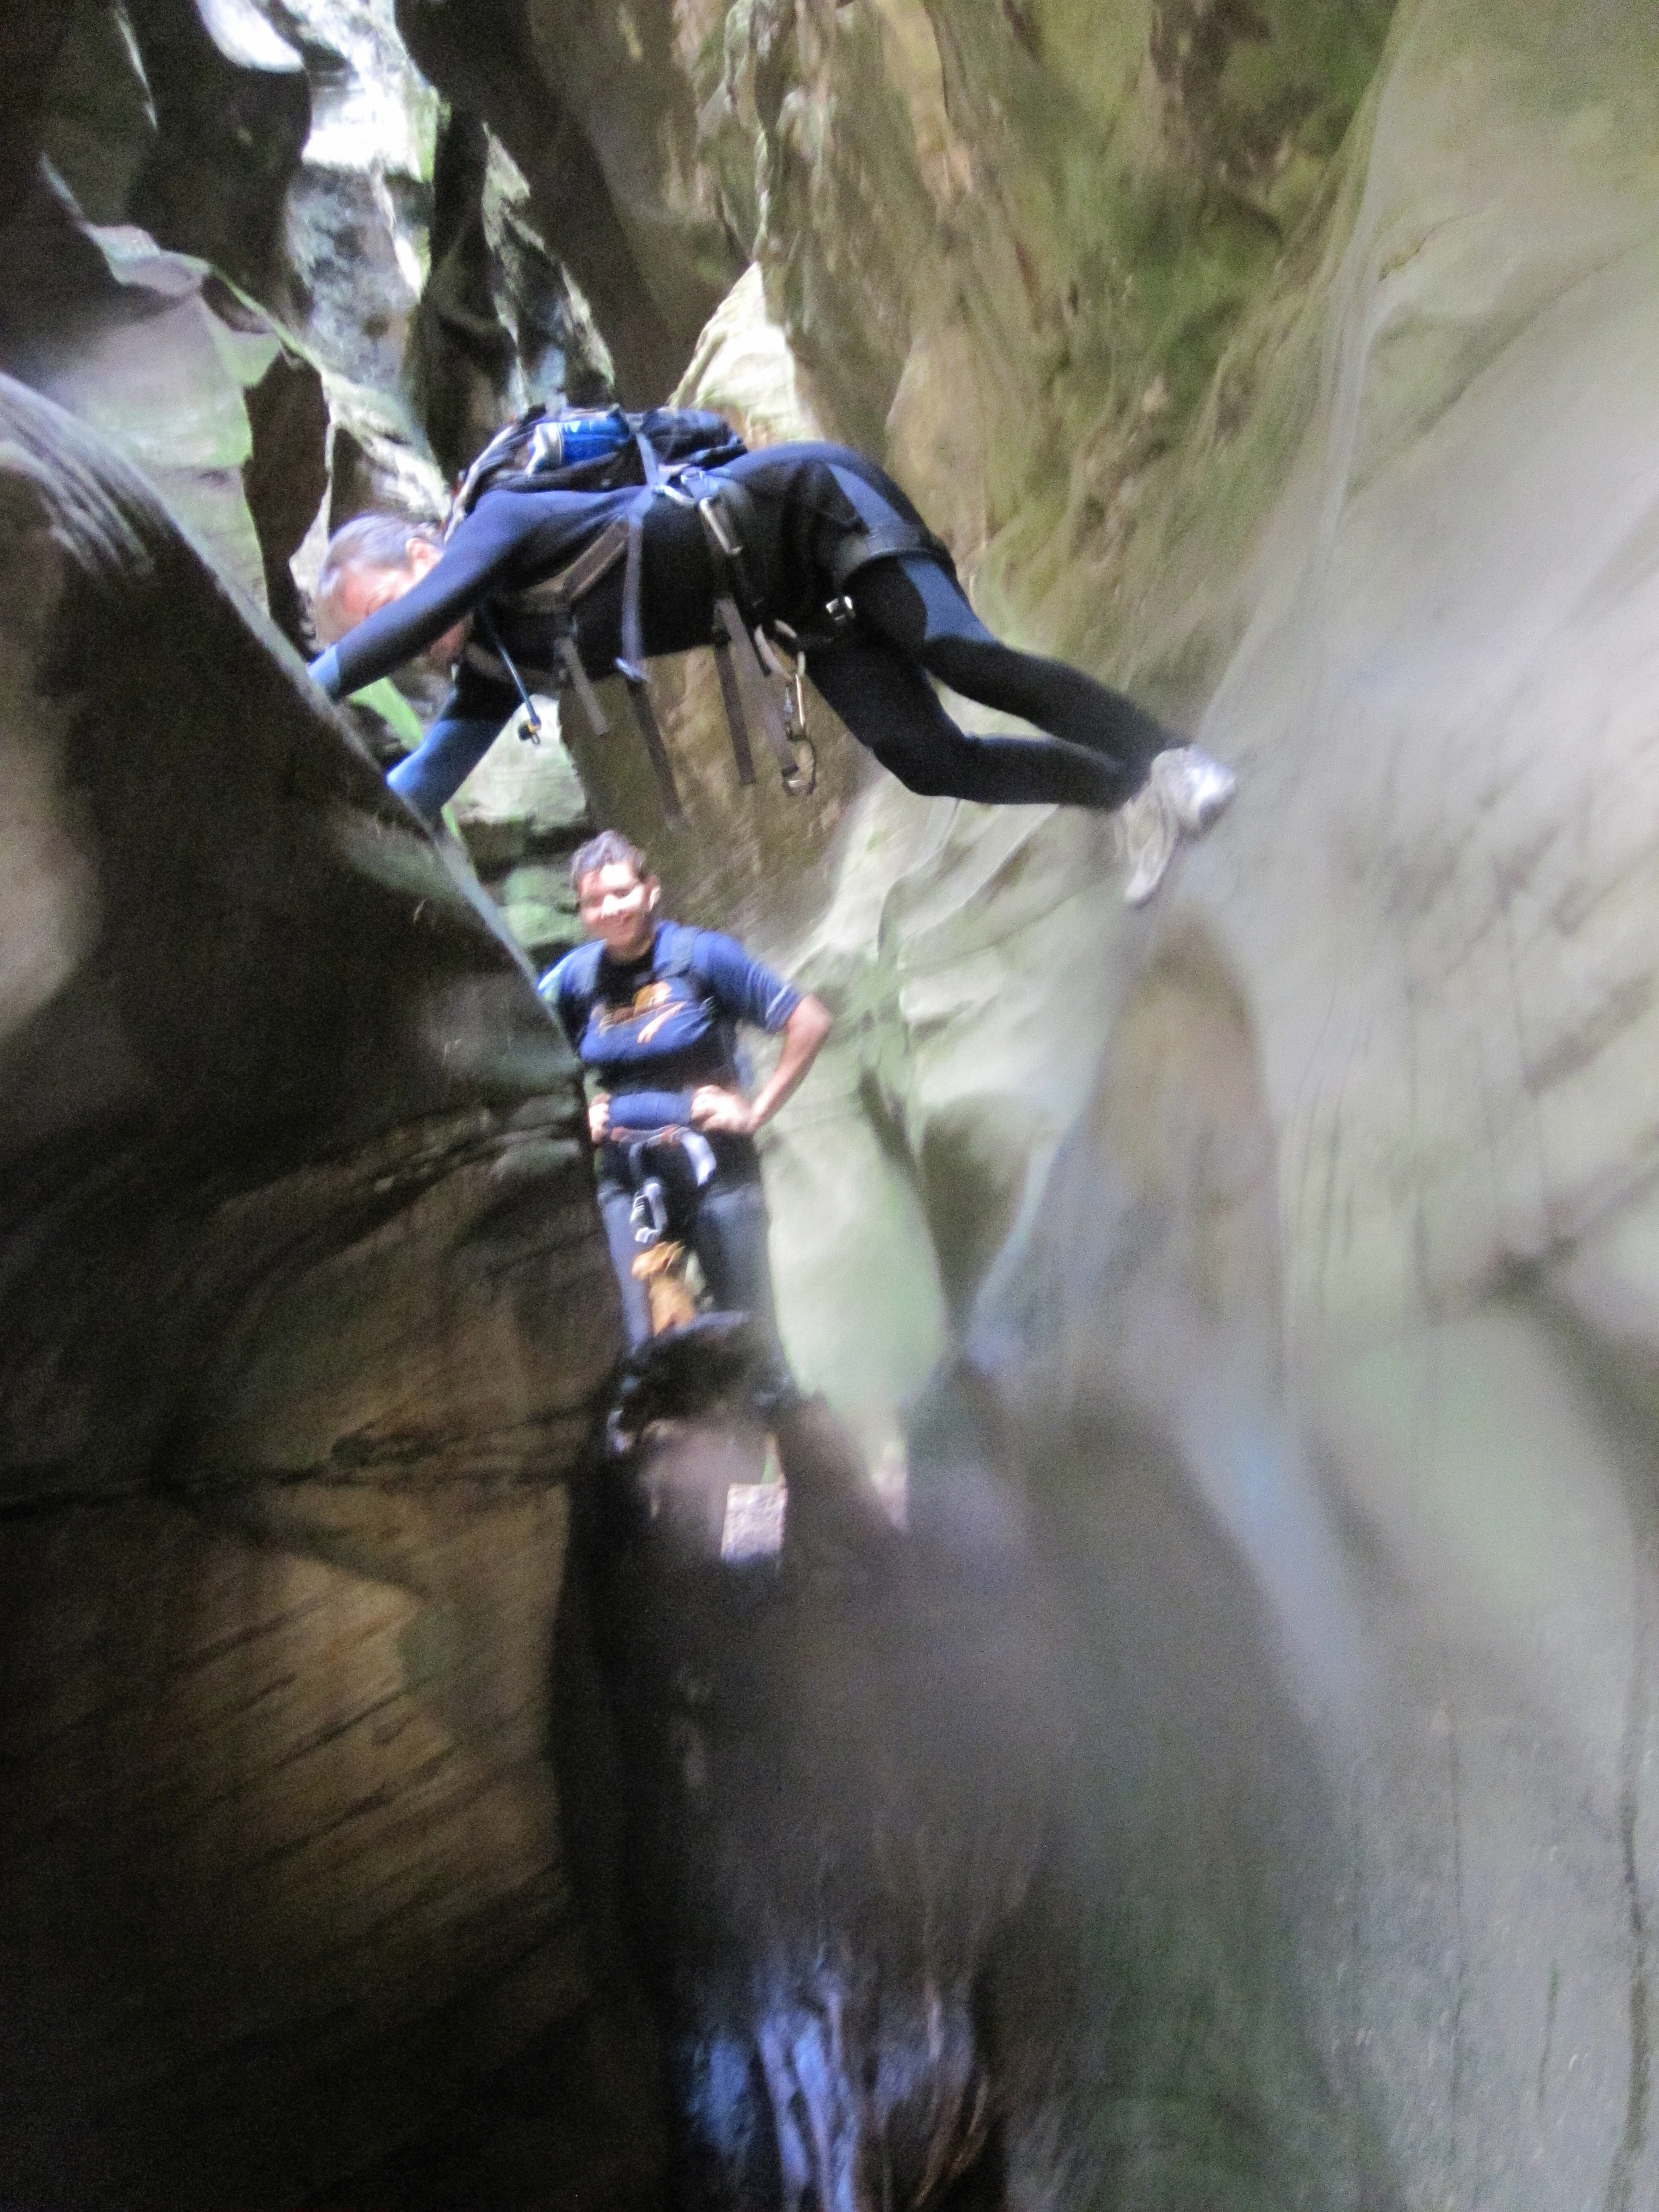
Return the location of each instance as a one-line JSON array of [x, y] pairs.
[[610, 849], [372, 541]]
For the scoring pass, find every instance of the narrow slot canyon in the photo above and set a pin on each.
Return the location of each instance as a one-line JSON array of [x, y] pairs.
[[1175, 1733]]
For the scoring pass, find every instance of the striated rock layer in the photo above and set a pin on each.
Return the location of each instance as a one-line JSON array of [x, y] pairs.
[[304, 1306]]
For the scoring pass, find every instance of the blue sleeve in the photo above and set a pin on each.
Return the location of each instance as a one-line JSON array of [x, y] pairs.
[[430, 777], [650, 1110], [740, 985]]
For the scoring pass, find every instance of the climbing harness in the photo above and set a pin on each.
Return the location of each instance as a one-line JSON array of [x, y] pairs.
[[758, 686], [660, 1261], [760, 661]]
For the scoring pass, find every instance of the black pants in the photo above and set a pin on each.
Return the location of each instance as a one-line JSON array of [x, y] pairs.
[[726, 1227], [913, 615]]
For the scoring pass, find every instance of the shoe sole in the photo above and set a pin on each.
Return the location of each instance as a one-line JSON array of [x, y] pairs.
[[1196, 823]]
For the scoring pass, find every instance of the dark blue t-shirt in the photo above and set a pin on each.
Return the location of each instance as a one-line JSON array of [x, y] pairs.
[[652, 1029]]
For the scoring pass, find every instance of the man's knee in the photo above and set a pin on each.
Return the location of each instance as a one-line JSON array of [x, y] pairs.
[[963, 660], [947, 766]]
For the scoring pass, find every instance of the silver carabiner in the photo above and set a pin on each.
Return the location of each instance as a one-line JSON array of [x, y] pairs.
[[714, 523], [791, 673]]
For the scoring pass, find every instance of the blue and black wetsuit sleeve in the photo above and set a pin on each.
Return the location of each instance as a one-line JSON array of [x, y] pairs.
[[479, 560], [465, 731]]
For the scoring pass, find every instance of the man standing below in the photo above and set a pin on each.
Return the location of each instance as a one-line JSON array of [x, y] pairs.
[[652, 1009]]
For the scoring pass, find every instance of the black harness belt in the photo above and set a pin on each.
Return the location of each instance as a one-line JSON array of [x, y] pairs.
[[883, 541], [753, 694]]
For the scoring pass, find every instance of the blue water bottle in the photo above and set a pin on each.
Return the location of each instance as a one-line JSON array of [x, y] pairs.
[[579, 435]]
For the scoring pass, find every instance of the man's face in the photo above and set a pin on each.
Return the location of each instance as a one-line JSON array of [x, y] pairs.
[[359, 590], [618, 906]]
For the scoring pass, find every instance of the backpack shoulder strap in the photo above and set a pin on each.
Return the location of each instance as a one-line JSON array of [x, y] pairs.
[[575, 976], [677, 950]]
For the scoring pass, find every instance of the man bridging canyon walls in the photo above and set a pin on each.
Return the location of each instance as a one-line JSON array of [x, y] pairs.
[[812, 544]]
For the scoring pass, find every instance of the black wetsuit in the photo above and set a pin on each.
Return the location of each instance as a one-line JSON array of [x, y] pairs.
[[809, 501]]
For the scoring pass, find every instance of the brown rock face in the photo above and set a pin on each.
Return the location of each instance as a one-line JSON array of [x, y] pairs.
[[596, 108], [1286, 1259], [304, 1307]]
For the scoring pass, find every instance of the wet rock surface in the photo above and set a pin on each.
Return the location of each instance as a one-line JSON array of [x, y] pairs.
[[830, 1777]]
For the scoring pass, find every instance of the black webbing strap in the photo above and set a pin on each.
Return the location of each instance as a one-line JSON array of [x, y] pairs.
[[648, 460], [744, 687], [557, 596], [633, 636], [630, 662], [575, 580], [651, 731], [731, 695], [734, 649], [881, 541], [570, 661]]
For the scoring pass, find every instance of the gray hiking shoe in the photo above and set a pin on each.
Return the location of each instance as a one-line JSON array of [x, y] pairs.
[[1199, 789], [1183, 795]]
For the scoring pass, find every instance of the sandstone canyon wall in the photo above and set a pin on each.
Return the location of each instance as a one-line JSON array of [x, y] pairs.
[[1289, 1249]]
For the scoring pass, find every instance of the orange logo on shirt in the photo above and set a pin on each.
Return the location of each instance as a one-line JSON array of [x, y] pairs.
[[658, 999]]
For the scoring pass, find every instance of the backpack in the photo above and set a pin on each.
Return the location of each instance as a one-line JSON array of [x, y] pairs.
[[607, 449], [593, 449]]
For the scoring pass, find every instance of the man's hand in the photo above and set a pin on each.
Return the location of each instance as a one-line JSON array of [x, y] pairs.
[[726, 1113], [599, 1115]]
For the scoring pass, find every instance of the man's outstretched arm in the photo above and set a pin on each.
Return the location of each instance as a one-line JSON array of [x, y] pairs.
[[454, 746]]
